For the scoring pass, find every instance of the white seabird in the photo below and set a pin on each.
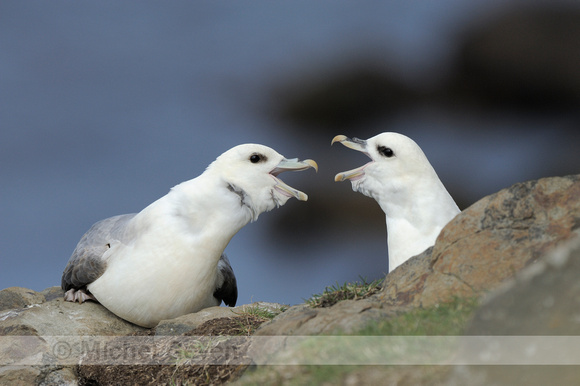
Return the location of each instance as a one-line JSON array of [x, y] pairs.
[[403, 182], [167, 260]]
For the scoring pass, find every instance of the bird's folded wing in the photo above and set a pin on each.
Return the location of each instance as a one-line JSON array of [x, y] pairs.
[[227, 287], [87, 263]]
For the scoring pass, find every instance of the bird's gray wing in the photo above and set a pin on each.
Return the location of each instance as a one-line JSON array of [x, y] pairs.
[[227, 286], [86, 263]]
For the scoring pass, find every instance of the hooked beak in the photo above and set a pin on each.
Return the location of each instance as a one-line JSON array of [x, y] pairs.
[[295, 165], [355, 144]]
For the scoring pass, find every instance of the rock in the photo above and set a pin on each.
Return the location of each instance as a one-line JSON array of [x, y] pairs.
[[288, 322], [60, 318], [36, 331], [538, 300], [52, 293], [18, 375], [407, 281], [31, 334], [542, 300], [37, 375], [16, 297], [186, 323], [65, 376], [490, 241], [480, 248], [346, 316], [479, 251]]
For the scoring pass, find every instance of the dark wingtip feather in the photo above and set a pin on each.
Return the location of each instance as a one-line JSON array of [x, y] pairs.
[[228, 290]]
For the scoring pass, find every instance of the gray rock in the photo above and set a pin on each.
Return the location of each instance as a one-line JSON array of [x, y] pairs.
[[35, 330], [60, 318], [19, 375], [186, 323], [346, 316], [16, 297], [65, 376], [37, 375], [542, 300], [288, 322], [30, 335], [52, 293]]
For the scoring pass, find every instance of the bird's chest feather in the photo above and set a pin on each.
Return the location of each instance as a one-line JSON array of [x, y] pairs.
[[167, 264]]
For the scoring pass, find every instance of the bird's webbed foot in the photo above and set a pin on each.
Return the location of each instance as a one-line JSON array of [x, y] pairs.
[[80, 295]]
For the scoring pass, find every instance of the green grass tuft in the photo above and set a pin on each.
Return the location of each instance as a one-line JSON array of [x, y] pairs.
[[336, 293], [261, 312]]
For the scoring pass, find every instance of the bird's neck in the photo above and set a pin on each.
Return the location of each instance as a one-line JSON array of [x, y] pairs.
[[423, 202], [415, 218], [406, 239], [202, 206]]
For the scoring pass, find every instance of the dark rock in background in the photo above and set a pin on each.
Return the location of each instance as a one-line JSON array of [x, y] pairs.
[[525, 60], [520, 62], [331, 102]]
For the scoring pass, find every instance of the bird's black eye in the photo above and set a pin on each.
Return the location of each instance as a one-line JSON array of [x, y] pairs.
[[255, 158], [385, 151]]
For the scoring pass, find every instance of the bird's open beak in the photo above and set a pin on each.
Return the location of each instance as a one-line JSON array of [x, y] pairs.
[[355, 144], [296, 166]]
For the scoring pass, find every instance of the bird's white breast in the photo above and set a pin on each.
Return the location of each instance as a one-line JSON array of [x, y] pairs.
[[170, 269]]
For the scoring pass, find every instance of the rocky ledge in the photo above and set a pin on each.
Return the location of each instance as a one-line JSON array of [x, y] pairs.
[[515, 249]]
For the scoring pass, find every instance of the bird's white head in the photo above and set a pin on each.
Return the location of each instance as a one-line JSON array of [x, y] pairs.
[[403, 182], [397, 163], [251, 171]]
